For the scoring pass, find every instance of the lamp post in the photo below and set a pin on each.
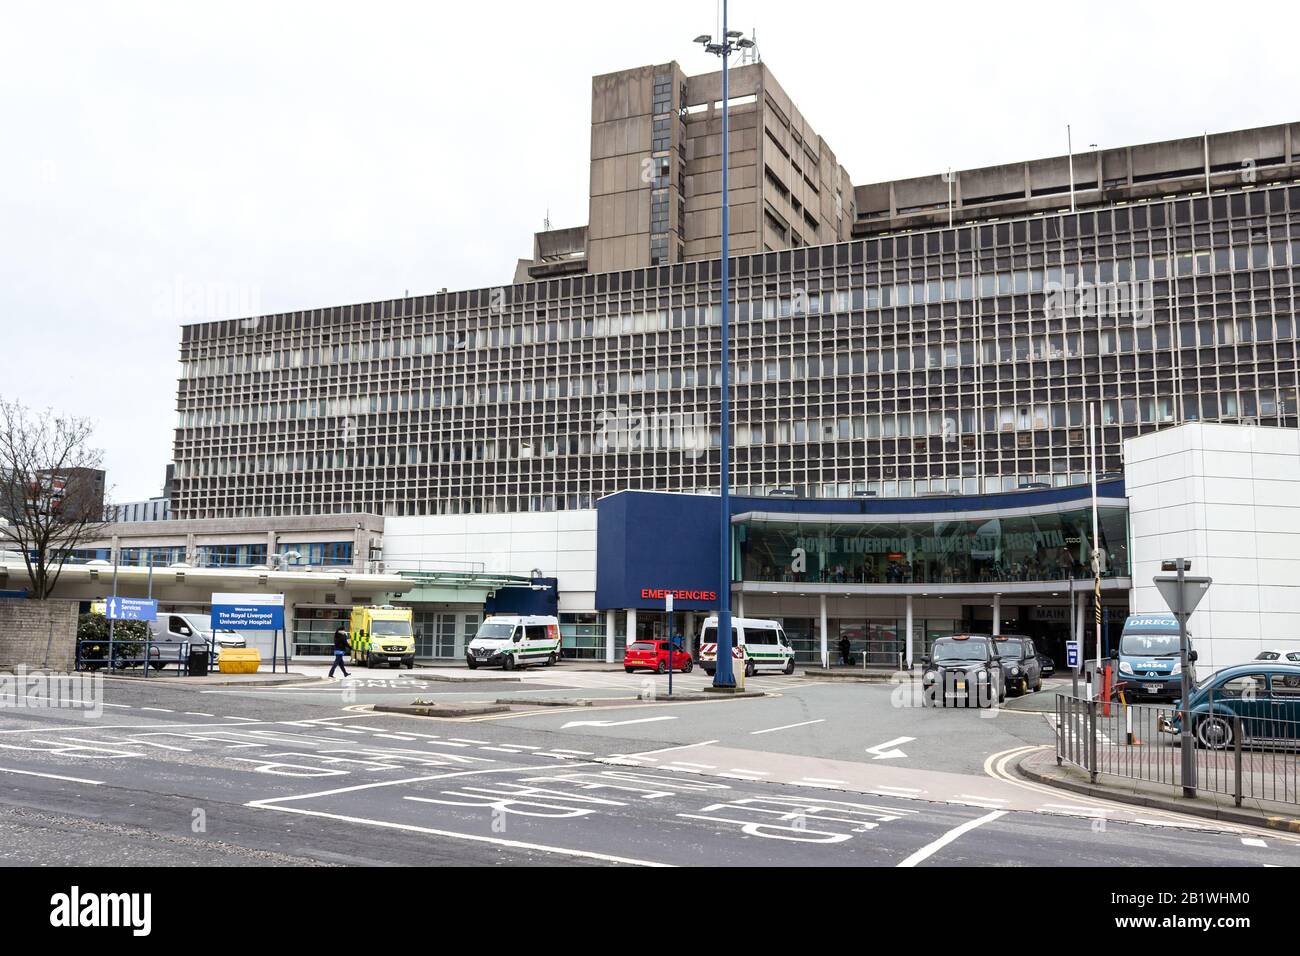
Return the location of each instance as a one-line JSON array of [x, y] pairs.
[[729, 42]]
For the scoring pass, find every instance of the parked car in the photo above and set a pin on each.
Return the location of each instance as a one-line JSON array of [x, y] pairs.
[[1261, 698], [1289, 657], [964, 668], [1150, 663], [1048, 665], [653, 655], [173, 631], [1020, 663]]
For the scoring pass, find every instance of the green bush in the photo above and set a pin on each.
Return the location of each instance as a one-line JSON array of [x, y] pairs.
[[128, 637]]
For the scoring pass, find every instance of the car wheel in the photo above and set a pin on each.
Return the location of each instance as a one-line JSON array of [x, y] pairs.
[[629, 669], [710, 671], [1214, 733], [1038, 686], [750, 668], [688, 667], [471, 663], [789, 667], [508, 663], [1024, 686], [550, 661], [661, 668]]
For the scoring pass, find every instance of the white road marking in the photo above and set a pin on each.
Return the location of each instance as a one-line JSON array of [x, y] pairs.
[[772, 730], [821, 780], [394, 737], [760, 773], [973, 796], [935, 846], [899, 789], [196, 713], [466, 740], [50, 776], [883, 751], [698, 766], [664, 750], [473, 837], [563, 750], [1251, 841], [251, 720], [159, 710], [614, 723], [128, 707]]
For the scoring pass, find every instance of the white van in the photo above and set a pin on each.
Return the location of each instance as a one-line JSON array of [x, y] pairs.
[[512, 641], [764, 642], [190, 627]]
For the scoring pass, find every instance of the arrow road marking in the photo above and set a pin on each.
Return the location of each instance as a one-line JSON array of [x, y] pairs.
[[613, 723], [882, 751]]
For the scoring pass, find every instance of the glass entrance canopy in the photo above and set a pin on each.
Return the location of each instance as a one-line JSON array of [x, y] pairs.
[[1053, 545]]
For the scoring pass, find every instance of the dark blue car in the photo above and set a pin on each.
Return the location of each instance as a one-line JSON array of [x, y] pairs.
[[1260, 699]]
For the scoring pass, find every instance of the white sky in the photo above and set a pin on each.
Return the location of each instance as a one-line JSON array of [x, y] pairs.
[[278, 156]]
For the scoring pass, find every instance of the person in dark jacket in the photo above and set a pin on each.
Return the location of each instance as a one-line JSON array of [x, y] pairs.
[[340, 648], [846, 651]]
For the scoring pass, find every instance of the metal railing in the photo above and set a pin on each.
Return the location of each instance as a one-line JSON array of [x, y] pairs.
[[94, 654], [1244, 752]]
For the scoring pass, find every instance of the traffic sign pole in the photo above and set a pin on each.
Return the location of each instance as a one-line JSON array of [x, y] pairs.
[[668, 632], [1182, 594]]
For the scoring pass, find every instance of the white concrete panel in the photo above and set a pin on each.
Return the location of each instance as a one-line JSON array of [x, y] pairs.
[[1221, 517]]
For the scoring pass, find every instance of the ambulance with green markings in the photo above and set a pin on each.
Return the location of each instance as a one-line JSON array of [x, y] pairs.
[[510, 641], [382, 635]]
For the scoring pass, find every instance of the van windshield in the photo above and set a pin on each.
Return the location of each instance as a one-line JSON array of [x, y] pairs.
[[1149, 645], [710, 635], [495, 632], [390, 628]]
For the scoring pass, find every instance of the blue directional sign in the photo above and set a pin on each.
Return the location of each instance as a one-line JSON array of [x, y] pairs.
[[130, 609], [248, 612], [1071, 654]]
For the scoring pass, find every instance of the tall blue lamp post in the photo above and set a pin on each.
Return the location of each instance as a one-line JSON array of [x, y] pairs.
[[730, 41]]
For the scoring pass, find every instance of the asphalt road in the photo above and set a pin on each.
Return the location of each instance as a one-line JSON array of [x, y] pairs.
[[822, 774]]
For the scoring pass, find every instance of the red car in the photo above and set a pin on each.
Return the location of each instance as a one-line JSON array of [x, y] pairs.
[[653, 655]]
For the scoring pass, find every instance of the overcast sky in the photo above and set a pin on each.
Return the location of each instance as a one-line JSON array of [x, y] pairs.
[[178, 161]]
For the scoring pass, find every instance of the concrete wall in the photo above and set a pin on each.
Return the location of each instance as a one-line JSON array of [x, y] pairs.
[[1228, 498], [38, 634], [560, 543]]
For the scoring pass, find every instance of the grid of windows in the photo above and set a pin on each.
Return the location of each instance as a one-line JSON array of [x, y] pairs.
[[949, 360]]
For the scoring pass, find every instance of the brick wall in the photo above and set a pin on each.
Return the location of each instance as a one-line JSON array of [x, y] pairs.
[[28, 628]]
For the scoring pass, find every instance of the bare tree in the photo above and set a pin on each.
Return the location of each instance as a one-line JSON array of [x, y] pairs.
[[51, 490]]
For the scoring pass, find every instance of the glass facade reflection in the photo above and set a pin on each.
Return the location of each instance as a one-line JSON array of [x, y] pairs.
[[1043, 547]]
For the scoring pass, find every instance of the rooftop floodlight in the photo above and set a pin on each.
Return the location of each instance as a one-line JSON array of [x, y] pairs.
[[713, 48], [702, 38], [734, 34], [744, 44]]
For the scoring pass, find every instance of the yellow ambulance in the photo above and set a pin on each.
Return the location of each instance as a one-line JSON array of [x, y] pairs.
[[379, 635]]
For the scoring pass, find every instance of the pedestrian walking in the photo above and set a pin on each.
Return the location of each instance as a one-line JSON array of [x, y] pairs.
[[846, 651], [340, 648]]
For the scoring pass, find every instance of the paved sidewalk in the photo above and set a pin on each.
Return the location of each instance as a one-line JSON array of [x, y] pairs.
[[1041, 767]]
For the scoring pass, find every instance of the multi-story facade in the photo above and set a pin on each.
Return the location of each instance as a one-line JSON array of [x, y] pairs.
[[656, 175], [939, 359]]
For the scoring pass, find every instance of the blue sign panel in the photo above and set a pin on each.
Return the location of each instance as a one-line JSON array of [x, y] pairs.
[[1071, 654], [130, 609], [248, 612]]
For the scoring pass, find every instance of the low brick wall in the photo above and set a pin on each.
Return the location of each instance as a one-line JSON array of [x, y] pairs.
[[38, 634]]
